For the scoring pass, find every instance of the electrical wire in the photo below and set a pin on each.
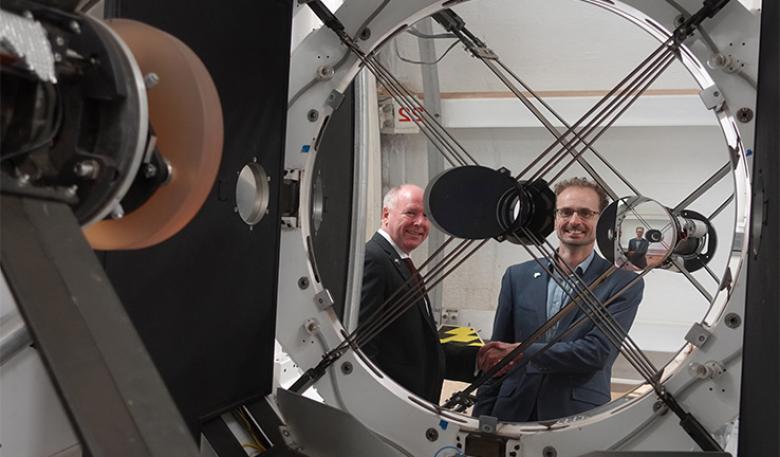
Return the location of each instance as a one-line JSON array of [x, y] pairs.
[[422, 62], [50, 135]]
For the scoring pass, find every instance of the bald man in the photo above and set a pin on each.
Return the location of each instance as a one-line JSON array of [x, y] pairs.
[[408, 350]]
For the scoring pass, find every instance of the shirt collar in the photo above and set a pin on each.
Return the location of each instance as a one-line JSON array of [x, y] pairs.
[[386, 236], [579, 269]]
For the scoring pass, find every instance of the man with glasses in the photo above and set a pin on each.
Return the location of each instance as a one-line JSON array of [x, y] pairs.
[[573, 374]]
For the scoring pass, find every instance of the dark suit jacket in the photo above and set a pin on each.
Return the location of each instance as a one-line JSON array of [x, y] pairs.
[[637, 249], [574, 374], [408, 350]]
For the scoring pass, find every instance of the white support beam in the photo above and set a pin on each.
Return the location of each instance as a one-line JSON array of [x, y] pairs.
[[489, 110]]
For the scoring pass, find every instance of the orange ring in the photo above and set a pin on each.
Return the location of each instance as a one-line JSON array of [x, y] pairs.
[[186, 115]]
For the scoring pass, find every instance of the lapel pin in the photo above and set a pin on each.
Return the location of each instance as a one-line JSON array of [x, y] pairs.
[[537, 274]]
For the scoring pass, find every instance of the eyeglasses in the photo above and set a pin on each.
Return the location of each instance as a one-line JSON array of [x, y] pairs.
[[583, 213]]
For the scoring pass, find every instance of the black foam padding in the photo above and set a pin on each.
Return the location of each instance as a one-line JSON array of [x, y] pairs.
[[760, 398], [334, 166], [204, 301]]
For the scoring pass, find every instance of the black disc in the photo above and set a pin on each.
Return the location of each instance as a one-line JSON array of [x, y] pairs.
[[465, 201]]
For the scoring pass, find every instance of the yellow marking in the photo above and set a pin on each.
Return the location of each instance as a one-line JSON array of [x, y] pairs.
[[462, 335]]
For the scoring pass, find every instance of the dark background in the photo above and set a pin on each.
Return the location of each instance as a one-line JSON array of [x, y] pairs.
[[204, 301]]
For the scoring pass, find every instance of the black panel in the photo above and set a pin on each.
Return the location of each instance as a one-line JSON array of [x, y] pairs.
[[204, 301], [221, 439], [760, 401], [334, 174]]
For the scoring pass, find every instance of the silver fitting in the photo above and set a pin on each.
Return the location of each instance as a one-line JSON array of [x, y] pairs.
[[151, 80], [706, 370], [311, 326], [325, 72], [323, 299]]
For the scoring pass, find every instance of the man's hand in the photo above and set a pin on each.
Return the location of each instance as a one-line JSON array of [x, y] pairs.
[[492, 352]]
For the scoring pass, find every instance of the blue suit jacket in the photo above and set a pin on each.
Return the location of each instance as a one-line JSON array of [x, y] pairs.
[[574, 374]]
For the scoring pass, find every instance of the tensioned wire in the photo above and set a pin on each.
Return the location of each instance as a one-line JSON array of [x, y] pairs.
[[429, 125], [647, 80], [653, 60], [582, 297], [405, 98], [393, 311]]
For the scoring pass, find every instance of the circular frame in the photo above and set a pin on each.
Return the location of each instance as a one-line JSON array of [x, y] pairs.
[[628, 423]]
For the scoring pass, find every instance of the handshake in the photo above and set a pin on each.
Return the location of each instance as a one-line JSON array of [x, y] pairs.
[[492, 353]]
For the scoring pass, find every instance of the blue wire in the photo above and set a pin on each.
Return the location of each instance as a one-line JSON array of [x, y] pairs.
[[457, 451]]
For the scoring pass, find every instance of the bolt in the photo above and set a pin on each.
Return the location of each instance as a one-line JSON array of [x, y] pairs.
[[118, 212], [75, 27], [151, 80], [87, 169], [59, 41], [303, 282], [732, 320], [313, 115], [311, 326], [432, 434], [365, 34], [346, 368], [23, 179], [57, 57], [698, 370], [549, 451], [28, 14], [150, 170], [325, 72], [744, 115], [658, 406]]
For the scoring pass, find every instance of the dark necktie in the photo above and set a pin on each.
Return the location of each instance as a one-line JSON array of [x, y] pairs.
[[417, 283]]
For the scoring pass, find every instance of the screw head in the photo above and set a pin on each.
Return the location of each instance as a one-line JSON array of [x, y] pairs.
[[150, 170], [732, 320], [151, 80], [313, 115], [325, 72], [431, 434], [303, 282], [549, 451], [87, 169], [347, 368], [365, 34], [744, 115], [74, 27]]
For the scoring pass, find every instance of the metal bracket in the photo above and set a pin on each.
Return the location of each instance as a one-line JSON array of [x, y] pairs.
[[483, 52], [712, 98], [449, 316], [323, 299], [289, 438], [488, 424], [289, 198], [698, 335], [334, 99]]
